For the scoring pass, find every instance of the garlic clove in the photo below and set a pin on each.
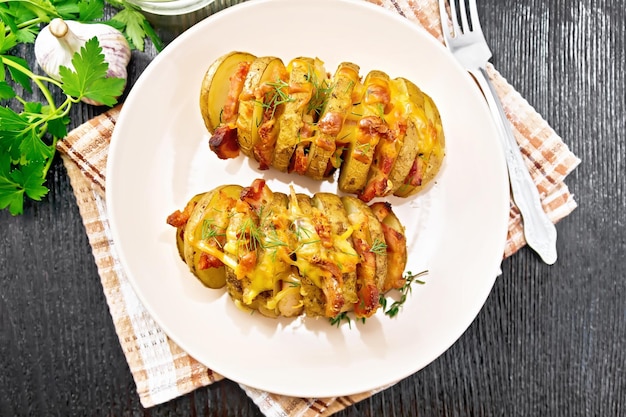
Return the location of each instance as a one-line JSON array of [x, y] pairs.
[[57, 43]]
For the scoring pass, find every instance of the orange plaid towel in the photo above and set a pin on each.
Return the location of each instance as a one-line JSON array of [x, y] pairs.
[[162, 371]]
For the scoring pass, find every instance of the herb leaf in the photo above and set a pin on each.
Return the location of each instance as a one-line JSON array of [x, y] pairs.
[[16, 72], [89, 76], [404, 291], [89, 10], [135, 26], [25, 179]]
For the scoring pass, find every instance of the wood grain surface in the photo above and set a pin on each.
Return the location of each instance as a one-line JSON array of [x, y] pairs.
[[550, 340]]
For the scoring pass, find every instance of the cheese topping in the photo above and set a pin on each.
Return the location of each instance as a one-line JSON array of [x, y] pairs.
[[271, 244]]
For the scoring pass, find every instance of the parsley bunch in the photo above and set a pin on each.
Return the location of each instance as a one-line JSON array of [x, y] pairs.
[[28, 137]]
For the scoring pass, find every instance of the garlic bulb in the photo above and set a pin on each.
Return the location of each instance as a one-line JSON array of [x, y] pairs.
[[56, 44]]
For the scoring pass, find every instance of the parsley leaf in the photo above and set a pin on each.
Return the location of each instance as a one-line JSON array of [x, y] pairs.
[[6, 91], [131, 21], [25, 179], [89, 76], [90, 10], [136, 27], [17, 73]]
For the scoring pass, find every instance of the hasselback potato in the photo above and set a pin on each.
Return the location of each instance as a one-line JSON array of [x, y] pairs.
[[384, 136], [292, 255]]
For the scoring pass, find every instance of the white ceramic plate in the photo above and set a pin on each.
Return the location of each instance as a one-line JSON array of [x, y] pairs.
[[159, 158]]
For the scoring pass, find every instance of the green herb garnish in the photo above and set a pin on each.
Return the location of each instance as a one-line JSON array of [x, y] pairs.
[[277, 96], [321, 91], [404, 291], [379, 247], [339, 318]]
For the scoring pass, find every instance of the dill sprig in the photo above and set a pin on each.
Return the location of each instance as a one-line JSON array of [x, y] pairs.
[[251, 232], [379, 247], [344, 316], [381, 111], [300, 231], [210, 230], [277, 96], [321, 91], [364, 147], [273, 241]]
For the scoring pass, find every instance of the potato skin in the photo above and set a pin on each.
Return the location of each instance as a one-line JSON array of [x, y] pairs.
[[290, 255]]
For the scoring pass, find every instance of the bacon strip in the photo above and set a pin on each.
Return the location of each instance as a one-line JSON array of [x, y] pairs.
[[224, 142], [231, 106]]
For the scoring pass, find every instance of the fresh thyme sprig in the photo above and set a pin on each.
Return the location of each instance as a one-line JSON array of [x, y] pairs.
[[404, 291], [391, 310], [340, 318]]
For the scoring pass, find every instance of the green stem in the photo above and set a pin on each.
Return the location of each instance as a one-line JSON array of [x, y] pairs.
[[31, 22], [65, 107], [46, 168], [36, 79]]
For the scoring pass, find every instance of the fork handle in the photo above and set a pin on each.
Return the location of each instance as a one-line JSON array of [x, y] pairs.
[[539, 231]]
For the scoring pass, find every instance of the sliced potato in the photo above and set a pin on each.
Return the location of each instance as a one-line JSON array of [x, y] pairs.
[[431, 151], [273, 250], [322, 278], [262, 84], [290, 302], [217, 86], [369, 243], [416, 121], [395, 240], [305, 75], [360, 153], [261, 286], [267, 113], [344, 254], [205, 229], [398, 146], [331, 121], [193, 228]]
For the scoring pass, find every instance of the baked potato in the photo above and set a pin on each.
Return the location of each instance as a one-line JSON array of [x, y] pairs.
[[290, 255], [383, 136]]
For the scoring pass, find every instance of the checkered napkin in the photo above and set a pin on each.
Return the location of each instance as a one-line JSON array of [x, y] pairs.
[[161, 369]]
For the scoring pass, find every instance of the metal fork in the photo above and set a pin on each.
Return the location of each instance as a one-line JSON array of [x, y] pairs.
[[467, 43]]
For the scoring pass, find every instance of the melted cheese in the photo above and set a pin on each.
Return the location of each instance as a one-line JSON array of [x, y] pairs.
[[285, 238]]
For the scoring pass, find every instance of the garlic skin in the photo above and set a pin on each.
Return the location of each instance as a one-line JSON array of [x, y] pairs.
[[57, 42]]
